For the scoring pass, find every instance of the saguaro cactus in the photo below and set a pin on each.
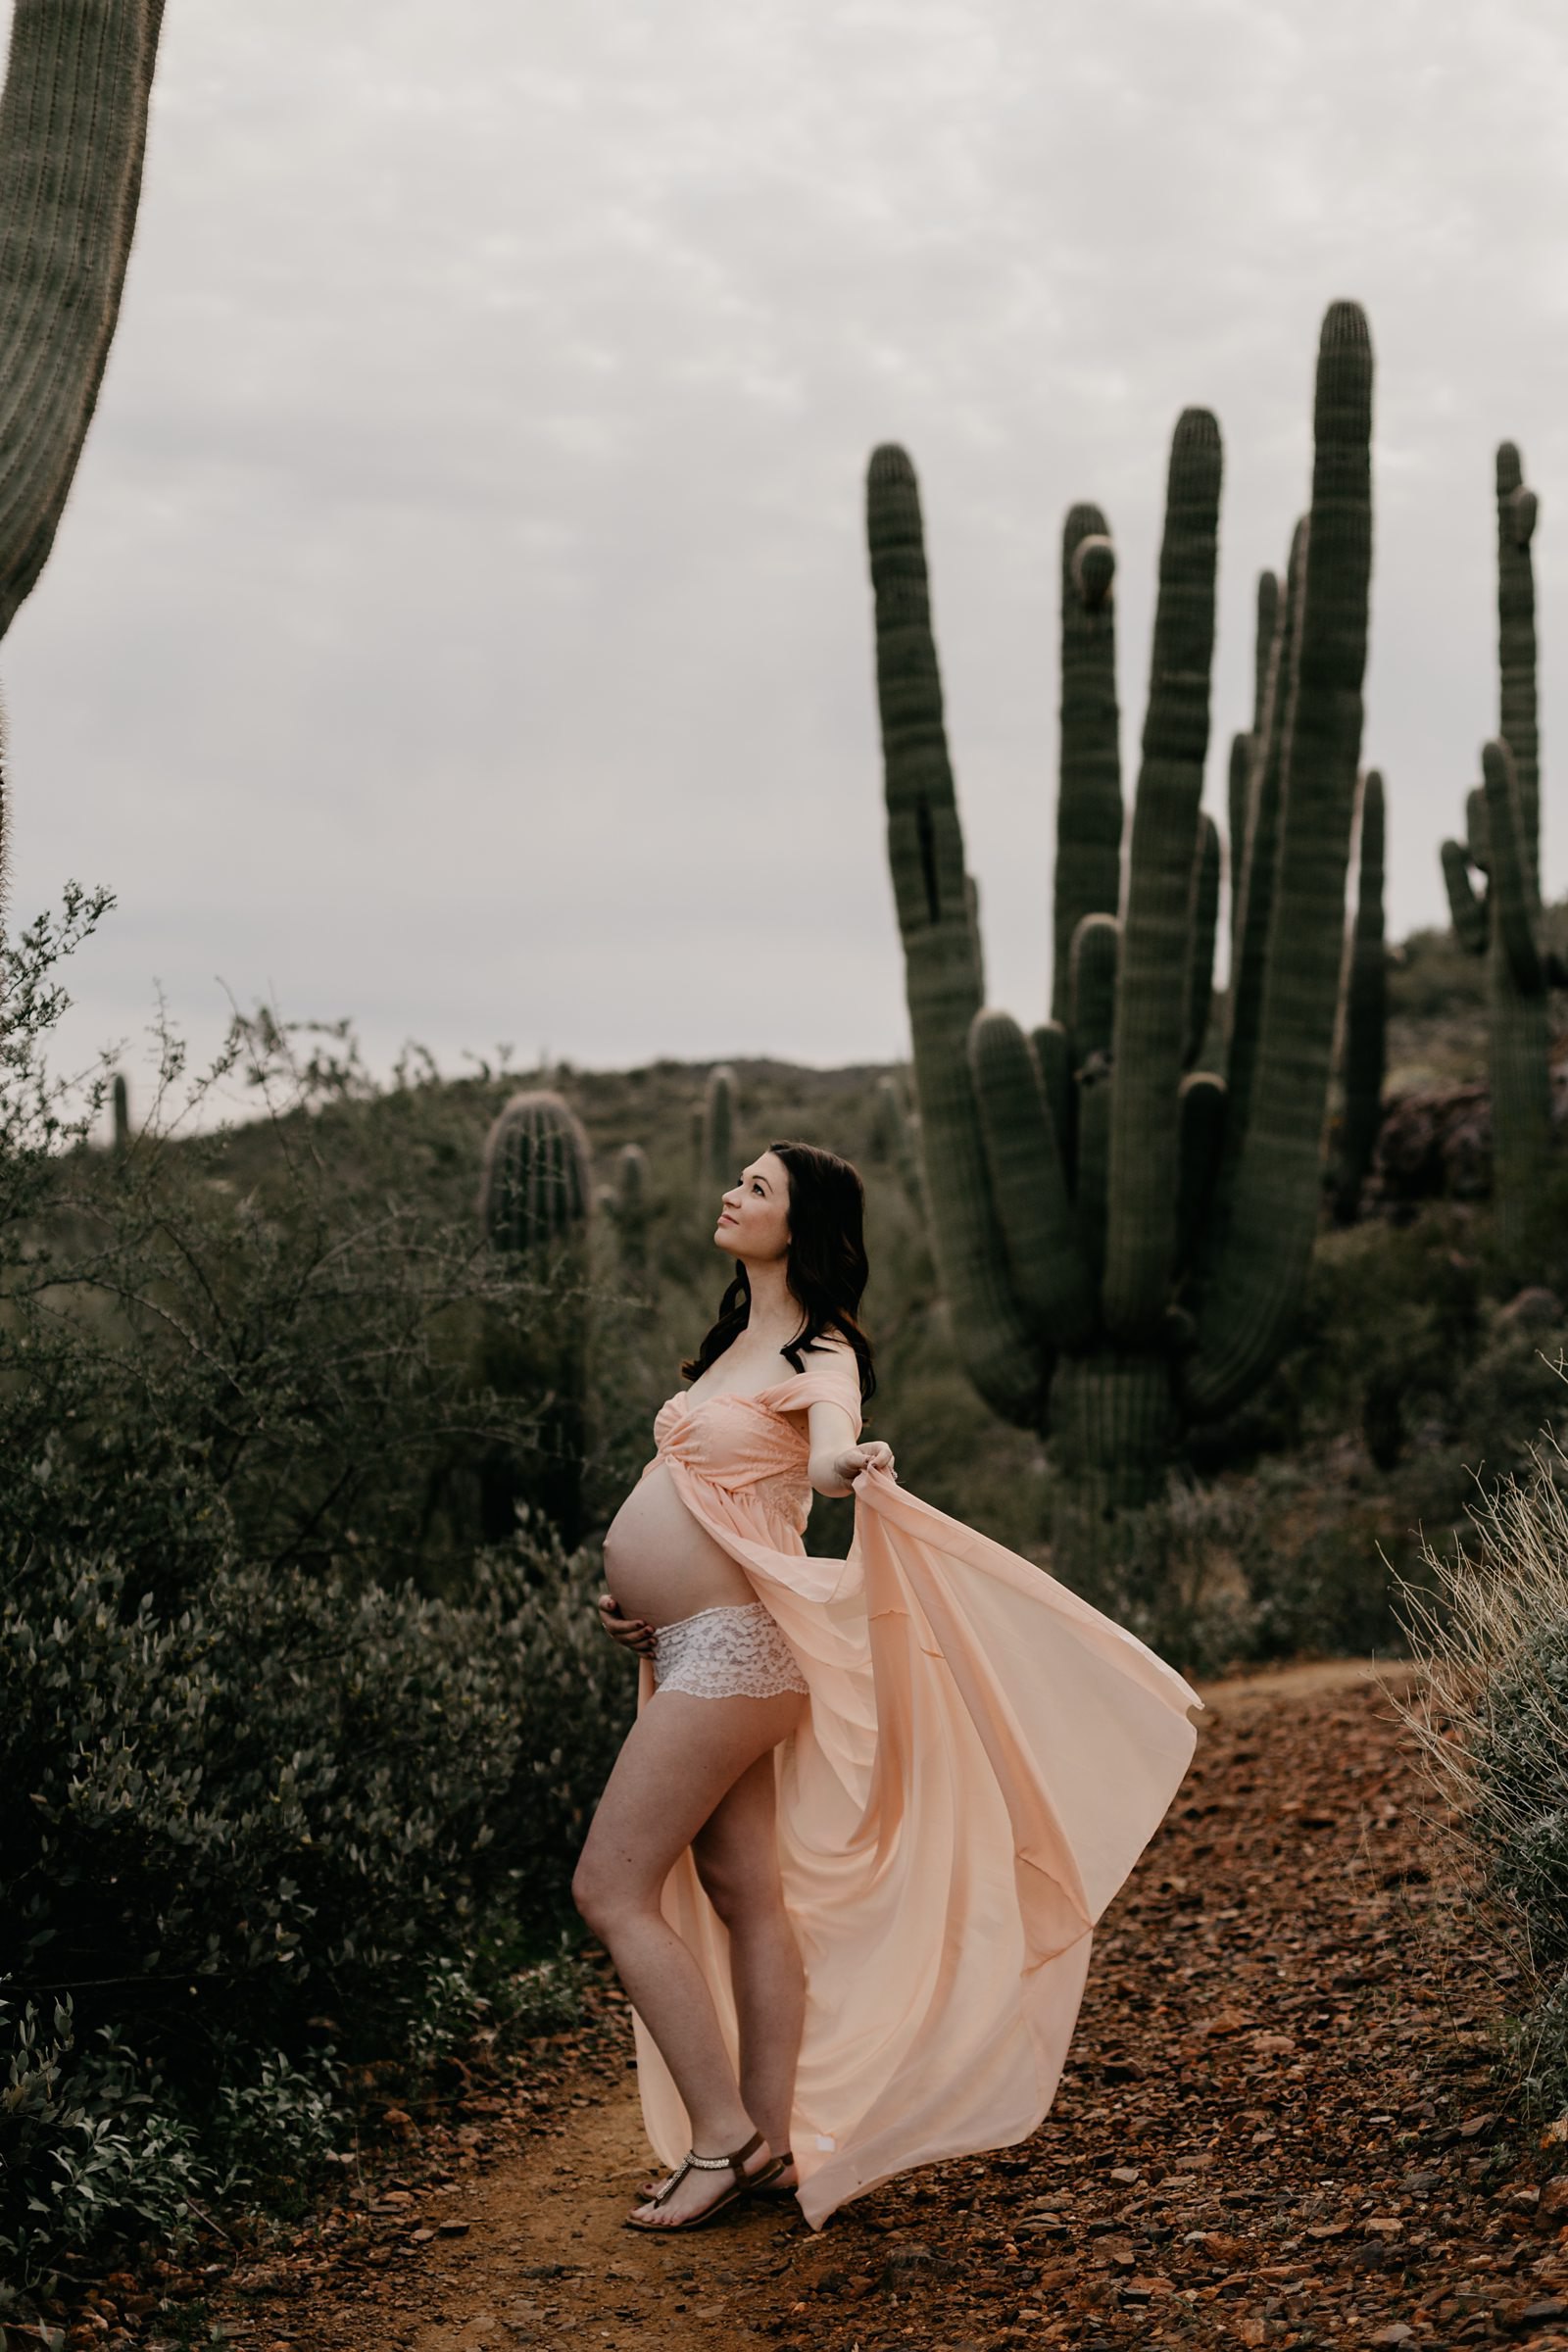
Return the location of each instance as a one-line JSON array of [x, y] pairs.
[[1502, 922], [535, 1202], [72, 130], [1366, 1003], [535, 1188], [896, 1138], [716, 1167], [1121, 1252], [632, 1212]]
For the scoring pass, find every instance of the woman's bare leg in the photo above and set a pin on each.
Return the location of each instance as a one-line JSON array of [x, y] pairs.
[[736, 1852], [681, 1757]]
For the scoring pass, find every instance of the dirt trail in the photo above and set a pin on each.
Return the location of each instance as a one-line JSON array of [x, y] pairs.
[[1174, 2110]]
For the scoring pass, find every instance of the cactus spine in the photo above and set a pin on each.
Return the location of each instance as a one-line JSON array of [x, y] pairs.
[[72, 131], [1366, 997], [1503, 921], [1098, 1257]]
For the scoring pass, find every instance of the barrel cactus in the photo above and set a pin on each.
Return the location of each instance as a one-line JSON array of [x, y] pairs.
[[1123, 1248], [535, 1204], [72, 130], [1502, 919]]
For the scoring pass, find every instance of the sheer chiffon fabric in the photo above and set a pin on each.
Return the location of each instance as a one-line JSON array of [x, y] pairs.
[[982, 1760]]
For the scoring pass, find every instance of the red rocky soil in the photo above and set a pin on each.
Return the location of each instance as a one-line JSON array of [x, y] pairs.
[[1278, 2126]]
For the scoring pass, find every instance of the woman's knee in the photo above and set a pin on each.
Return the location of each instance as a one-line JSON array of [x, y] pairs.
[[605, 1897], [744, 1896]]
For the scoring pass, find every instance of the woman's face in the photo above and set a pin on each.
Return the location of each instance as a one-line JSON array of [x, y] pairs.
[[754, 1221]]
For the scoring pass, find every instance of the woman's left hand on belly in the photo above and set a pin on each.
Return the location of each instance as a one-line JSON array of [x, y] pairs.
[[632, 1633]]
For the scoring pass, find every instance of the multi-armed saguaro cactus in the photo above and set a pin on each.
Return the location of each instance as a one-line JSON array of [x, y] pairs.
[[1504, 923], [1122, 1245], [535, 1199], [72, 127], [1366, 1013]]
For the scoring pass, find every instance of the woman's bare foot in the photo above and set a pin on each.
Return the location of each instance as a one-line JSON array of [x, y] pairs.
[[700, 2190]]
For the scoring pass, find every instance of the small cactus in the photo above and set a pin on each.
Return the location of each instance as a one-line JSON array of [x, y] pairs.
[[632, 1212], [895, 1137], [535, 1202], [121, 1106], [718, 1167]]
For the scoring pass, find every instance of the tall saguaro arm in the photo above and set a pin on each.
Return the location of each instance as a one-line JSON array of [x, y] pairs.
[[1002, 1353], [1501, 921], [1258, 1269], [1150, 1013], [72, 131]]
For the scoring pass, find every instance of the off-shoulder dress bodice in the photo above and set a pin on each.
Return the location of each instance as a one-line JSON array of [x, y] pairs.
[[755, 1446]]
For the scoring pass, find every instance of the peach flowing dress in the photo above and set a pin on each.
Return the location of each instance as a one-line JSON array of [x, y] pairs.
[[982, 1760]]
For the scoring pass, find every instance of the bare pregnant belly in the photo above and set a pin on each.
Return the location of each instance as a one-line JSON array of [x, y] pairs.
[[660, 1565]]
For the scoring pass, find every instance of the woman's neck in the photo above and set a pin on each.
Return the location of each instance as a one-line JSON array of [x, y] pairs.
[[773, 1305]]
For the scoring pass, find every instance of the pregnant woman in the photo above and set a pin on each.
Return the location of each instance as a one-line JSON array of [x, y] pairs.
[[849, 1859]]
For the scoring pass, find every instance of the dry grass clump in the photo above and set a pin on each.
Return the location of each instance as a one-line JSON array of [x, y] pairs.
[[1492, 1722]]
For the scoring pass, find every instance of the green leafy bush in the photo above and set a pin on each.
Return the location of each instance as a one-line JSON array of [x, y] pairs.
[[306, 1820]]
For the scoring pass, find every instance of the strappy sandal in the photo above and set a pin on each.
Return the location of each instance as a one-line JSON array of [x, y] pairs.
[[745, 2185], [770, 2184], [765, 2183]]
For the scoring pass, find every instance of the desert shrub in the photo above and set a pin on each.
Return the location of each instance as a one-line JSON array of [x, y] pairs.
[[1390, 1318], [1287, 1561], [1493, 1723], [256, 1337], [1508, 1390], [310, 1820], [1175, 1573]]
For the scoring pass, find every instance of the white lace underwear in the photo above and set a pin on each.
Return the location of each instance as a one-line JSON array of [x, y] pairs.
[[725, 1653]]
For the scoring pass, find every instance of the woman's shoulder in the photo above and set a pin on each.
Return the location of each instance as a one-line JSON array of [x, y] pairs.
[[829, 1374]]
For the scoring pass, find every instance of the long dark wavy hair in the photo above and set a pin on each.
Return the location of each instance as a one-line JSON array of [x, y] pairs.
[[826, 1268]]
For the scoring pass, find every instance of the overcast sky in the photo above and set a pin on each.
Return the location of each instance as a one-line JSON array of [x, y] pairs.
[[460, 621]]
